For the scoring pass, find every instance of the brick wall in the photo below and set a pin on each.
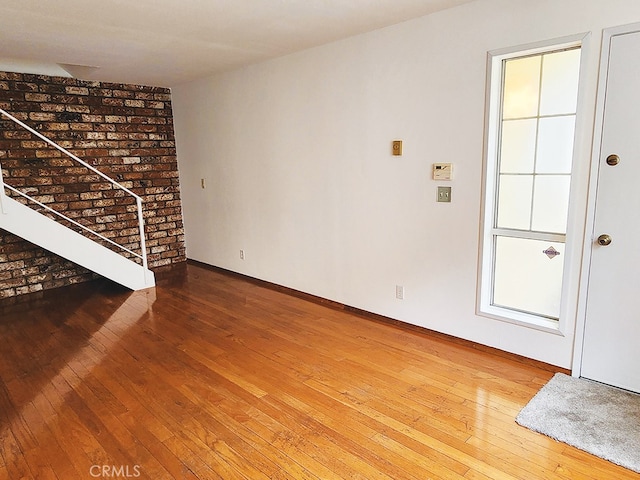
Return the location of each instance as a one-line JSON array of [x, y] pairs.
[[126, 132]]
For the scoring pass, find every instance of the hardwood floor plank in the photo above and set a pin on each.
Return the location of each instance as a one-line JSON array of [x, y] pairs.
[[14, 459], [201, 466], [48, 452], [212, 376], [446, 448], [199, 421], [264, 374]]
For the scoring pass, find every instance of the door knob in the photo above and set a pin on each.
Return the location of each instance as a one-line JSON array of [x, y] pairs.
[[604, 240]]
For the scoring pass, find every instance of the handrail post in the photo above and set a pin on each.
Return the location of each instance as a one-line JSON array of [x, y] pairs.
[[2, 193], [143, 244]]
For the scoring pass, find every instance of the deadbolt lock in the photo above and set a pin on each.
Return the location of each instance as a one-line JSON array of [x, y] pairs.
[[613, 160]]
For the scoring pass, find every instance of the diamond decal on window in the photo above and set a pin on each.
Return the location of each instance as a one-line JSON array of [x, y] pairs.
[[551, 252]]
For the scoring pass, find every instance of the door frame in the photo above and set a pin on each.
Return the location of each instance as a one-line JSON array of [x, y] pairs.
[[592, 194]]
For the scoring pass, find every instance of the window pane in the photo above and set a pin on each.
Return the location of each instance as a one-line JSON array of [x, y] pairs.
[[521, 87], [555, 145], [525, 278], [551, 203], [560, 82], [518, 146], [514, 201]]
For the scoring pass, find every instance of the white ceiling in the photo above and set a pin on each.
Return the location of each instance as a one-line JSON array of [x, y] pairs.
[[168, 42]]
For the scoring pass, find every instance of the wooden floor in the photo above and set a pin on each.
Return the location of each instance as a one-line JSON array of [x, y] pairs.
[[210, 376]]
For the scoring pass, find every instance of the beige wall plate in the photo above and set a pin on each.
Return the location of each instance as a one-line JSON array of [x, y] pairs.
[[442, 171]]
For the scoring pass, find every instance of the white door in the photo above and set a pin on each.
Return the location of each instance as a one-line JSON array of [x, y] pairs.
[[611, 349]]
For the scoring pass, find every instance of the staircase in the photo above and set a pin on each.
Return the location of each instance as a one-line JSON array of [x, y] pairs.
[[20, 219]]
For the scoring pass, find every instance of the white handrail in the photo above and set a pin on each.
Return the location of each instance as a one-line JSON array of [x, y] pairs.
[[143, 248]]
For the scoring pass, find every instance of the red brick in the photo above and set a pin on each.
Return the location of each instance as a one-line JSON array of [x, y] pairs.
[[77, 90], [45, 107], [42, 117], [37, 97]]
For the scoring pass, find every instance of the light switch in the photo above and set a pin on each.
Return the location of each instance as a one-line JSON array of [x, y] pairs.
[[444, 194]]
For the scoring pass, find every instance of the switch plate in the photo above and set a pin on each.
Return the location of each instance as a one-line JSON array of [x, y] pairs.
[[444, 194], [442, 171], [396, 147]]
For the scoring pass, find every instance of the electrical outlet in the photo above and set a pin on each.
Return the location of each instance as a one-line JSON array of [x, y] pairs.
[[399, 292], [241, 254]]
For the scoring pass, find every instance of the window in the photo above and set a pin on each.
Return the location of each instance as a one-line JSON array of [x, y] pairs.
[[530, 127]]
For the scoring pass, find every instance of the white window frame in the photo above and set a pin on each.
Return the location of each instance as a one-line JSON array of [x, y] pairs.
[[489, 204]]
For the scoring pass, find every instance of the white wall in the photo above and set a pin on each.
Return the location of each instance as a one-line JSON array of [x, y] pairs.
[[296, 157]]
